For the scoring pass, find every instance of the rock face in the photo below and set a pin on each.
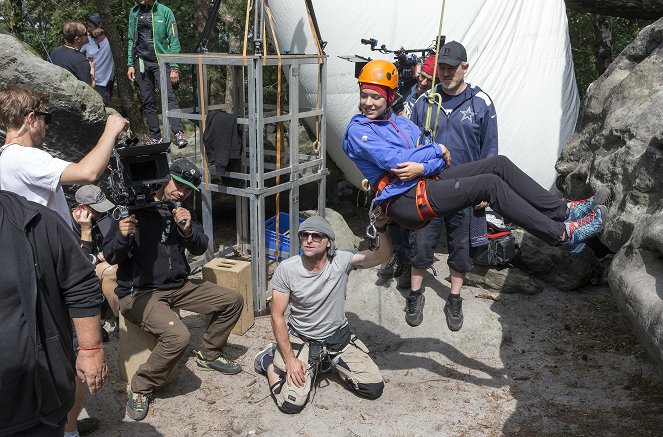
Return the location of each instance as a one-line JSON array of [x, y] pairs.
[[538, 267], [636, 281], [619, 143], [345, 238], [78, 111], [619, 139]]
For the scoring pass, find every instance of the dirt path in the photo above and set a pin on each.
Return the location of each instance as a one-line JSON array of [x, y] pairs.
[[552, 364]]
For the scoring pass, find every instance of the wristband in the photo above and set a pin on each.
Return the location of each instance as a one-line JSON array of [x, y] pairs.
[[101, 346]]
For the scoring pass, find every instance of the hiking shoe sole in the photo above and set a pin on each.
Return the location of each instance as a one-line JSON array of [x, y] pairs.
[[416, 315]]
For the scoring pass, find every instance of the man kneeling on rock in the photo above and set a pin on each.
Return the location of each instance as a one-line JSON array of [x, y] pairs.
[[149, 249], [317, 336]]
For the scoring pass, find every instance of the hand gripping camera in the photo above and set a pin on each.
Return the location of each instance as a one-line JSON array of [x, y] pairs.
[[136, 173]]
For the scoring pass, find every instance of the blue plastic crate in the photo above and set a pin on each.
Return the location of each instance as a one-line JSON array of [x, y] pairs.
[[284, 240]]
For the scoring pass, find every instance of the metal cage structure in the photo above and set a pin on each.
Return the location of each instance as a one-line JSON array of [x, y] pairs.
[[260, 176]]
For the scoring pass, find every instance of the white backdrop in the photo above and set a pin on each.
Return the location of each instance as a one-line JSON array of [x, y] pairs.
[[518, 51]]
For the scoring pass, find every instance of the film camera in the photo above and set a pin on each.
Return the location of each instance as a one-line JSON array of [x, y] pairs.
[[136, 173], [405, 60]]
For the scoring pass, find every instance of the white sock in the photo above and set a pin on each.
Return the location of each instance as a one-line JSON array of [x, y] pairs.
[[71, 434]]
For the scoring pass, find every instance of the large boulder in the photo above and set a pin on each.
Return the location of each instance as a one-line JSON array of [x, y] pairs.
[[636, 281], [345, 238], [78, 111], [619, 139], [619, 144]]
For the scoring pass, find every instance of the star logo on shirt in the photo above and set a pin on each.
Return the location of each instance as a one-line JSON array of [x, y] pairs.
[[468, 114]]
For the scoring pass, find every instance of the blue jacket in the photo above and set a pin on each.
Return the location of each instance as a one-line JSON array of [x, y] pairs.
[[468, 130], [467, 126], [377, 146]]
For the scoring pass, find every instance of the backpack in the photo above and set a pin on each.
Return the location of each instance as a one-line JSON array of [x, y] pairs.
[[501, 249]]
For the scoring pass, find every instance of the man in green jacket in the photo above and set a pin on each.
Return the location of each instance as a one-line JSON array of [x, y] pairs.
[[152, 32]]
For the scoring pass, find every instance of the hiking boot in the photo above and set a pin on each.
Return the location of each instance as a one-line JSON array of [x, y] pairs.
[[221, 364], [180, 140], [87, 426], [414, 308], [404, 280], [387, 271], [137, 405], [151, 141], [264, 358], [576, 209], [453, 309], [581, 230]]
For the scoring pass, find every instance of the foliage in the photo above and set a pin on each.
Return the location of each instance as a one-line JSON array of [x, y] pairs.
[[583, 43]]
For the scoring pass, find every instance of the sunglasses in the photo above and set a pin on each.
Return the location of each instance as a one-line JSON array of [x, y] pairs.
[[47, 115], [315, 236]]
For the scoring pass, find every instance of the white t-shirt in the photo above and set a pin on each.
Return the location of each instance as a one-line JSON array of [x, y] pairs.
[[34, 174], [317, 299], [104, 65]]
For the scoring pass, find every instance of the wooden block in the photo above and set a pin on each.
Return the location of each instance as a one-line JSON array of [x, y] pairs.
[[136, 346], [235, 275]]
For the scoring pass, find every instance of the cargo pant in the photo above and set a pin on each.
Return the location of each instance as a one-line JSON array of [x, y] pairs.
[[353, 365], [153, 312]]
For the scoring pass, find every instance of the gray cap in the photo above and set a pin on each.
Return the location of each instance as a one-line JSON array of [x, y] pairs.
[[452, 53], [92, 196], [319, 224]]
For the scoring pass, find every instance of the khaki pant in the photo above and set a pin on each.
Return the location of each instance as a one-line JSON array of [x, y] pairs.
[[353, 365], [153, 312]]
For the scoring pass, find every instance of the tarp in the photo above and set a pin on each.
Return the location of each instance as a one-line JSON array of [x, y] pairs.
[[519, 53]]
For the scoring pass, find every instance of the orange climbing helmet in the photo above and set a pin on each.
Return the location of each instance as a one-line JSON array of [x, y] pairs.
[[379, 72]]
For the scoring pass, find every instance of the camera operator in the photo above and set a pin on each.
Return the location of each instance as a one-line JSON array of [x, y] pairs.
[[149, 249], [423, 84], [34, 173]]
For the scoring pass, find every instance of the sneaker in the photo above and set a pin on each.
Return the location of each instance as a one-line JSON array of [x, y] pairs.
[[151, 141], [581, 230], [87, 426], [180, 139], [404, 280], [138, 405], [414, 308], [264, 358], [453, 309], [387, 271], [221, 364], [576, 209]]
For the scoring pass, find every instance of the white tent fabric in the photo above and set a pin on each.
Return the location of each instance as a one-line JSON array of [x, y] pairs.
[[518, 51]]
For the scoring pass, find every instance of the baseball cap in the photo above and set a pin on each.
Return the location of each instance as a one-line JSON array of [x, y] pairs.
[[452, 53], [92, 196], [428, 65], [95, 19], [186, 172]]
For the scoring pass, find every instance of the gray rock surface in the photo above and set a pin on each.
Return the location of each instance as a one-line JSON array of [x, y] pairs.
[[345, 239], [538, 267], [78, 111], [619, 143], [619, 139], [636, 281]]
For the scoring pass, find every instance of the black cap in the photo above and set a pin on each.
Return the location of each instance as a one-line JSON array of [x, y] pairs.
[[95, 19], [186, 172], [452, 53]]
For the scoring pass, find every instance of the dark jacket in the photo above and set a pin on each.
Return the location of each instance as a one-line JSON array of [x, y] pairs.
[[154, 258], [221, 137], [37, 377]]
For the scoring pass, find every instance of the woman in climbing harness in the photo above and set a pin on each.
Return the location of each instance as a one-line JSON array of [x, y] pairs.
[[412, 182]]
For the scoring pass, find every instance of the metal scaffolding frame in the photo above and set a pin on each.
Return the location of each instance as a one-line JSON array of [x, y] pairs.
[[299, 169]]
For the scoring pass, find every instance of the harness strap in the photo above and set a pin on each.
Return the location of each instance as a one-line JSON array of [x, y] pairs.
[[424, 209]]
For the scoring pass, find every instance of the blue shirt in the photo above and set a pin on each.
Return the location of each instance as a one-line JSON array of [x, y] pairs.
[[104, 65], [377, 146]]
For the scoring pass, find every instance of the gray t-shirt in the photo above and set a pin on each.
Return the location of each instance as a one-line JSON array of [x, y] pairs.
[[317, 299]]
